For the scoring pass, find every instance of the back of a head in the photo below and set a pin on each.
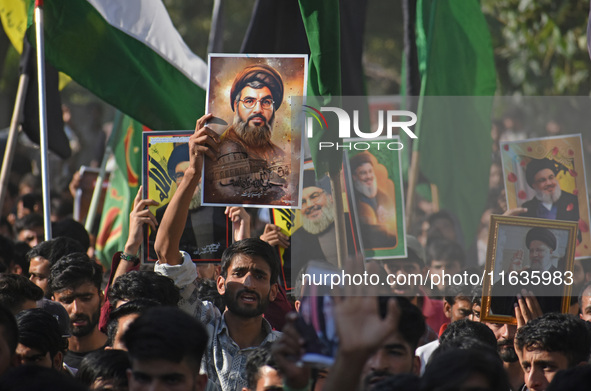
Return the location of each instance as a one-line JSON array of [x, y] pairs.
[[455, 292], [253, 247], [138, 306], [257, 359], [39, 330], [54, 249], [166, 333], [15, 290], [442, 249], [72, 229], [451, 369], [464, 343], [573, 379], [144, 284], [465, 328], [553, 332], [74, 270], [109, 365]]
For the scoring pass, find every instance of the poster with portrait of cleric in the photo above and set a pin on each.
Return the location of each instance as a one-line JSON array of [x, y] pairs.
[[259, 161], [207, 230], [374, 180], [312, 228], [547, 177]]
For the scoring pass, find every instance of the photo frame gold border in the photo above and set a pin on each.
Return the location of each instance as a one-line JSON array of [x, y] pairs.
[[495, 222]]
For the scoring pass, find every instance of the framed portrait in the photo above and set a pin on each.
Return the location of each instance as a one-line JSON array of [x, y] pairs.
[[207, 230], [547, 176], [535, 255], [374, 180], [257, 104], [312, 228]]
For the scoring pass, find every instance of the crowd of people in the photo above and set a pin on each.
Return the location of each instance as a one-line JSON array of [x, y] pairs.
[[66, 323]]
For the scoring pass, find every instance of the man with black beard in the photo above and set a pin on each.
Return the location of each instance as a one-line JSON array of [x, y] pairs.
[[247, 162], [75, 281], [375, 208], [505, 334], [550, 201]]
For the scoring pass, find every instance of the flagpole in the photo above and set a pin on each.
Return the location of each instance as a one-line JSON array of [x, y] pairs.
[[42, 117], [98, 187], [12, 136], [341, 234]]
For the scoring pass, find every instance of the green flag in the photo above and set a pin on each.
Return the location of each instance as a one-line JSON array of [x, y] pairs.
[[322, 25], [123, 187], [455, 60], [129, 54]]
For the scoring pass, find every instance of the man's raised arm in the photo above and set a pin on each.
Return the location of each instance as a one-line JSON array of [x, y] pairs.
[[203, 142]]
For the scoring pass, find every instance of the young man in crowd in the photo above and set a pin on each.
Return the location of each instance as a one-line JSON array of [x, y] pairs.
[[166, 347], [75, 281], [262, 372], [443, 256], [549, 344]]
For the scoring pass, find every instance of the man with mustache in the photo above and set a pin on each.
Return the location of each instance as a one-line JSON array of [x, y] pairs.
[[550, 201], [75, 281], [376, 209]]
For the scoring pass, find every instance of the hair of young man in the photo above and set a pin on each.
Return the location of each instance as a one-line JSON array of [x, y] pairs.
[[412, 322], [39, 330], [450, 369], [465, 328], [207, 291], [54, 249], [573, 379], [464, 343], [30, 221], [20, 257], [583, 289], [72, 229], [15, 290], [38, 378], [253, 247], [458, 292], [441, 215], [166, 333], [29, 200], [104, 364], [138, 306], [144, 284], [563, 333], [400, 382], [9, 329], [73, 270], [442, 249], [476, 295], [257, 359]]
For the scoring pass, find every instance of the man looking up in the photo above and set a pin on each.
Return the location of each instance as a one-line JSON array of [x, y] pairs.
[[75, 281], [248, 279]]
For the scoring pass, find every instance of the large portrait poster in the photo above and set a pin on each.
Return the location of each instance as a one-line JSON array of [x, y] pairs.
[[255, 101], [312, 228], [547, 176], [374, 181], [207, 230]]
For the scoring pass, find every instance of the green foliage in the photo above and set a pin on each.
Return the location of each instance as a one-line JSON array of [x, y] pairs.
[[540, 46]]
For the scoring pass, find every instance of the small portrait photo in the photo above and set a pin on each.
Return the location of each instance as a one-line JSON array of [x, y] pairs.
[[256, 101], [374, 181], [527, 256], [207, 230], [547, 177]]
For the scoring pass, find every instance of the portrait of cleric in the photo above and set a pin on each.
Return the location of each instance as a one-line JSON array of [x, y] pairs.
[[205, 236], [550, 201], [544, 257], [254, 160], [375, 205], [315, 239]]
